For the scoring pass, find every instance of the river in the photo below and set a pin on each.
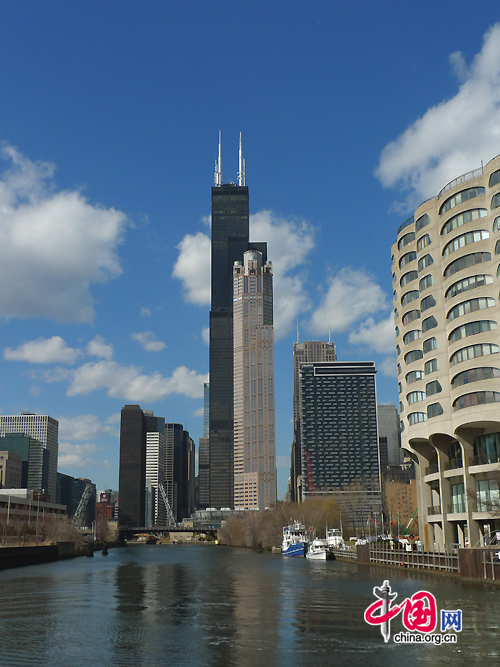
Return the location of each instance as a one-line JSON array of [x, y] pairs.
[[218, 606]]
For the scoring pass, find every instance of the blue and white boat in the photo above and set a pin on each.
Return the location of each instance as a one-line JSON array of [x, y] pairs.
[[294, 540]]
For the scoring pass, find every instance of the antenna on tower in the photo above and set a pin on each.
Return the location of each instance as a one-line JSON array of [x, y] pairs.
[[298, 340], [329, 333], [218, 171], [241, 167]]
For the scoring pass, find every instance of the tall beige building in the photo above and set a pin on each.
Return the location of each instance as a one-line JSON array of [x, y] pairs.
[[253, 336], [446, 282]]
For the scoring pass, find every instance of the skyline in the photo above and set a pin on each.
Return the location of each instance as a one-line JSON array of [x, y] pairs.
[[109, 124]]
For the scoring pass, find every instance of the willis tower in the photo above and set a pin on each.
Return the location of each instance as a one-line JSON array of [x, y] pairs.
[[230, 239]]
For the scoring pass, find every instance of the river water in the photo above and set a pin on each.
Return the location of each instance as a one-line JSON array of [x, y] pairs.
[[218, 606]]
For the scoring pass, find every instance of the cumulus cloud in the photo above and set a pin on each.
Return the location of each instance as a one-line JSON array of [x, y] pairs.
[[199, 412], [205, 334], [289, 243], [193, 268], [388, 366], [127, 382], [376, 336], [452, 137], [352, 296], [54, 244], [148, 341], [84, 427], [74, 456], [145, 312], [98, 348], [43, 351]]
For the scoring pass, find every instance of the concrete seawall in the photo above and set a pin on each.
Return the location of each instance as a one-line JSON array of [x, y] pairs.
[[20, 556]]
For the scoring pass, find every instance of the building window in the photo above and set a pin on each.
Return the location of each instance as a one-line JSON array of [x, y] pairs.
[[416, 417], [401, 407], [462, 219], [410, 316], [408, 277], [476, 398], [495, 201], [496, 224], [406, 259], [424, 262], [434, 410], [430, 344], [400, 387], [494, 178], [431, 366], [413, 376], [398, 350], [412, 356], [429, 323], [471, 329], [497, 247], [466, 262], [464, 240], [409, 296], [427, 303], [470, 306], [396, 329], [426, 281], [475, 375], [472, 352], [399, 369], [423, 241], [460, 197], [412, 335], [433, 388], [422, 222], [404, 240], [415, 397], [467, 284], [488, 495], [458, 501]]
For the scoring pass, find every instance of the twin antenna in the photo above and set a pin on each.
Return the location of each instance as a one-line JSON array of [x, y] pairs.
[[218, 169]]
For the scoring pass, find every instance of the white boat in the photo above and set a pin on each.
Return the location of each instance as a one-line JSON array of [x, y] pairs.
[[334, 539], [318, 550], [294, 540]]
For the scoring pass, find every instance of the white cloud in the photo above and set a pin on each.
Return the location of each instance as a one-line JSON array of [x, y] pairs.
[[388, 366], [352, 296], [98, 348], [145, 312], [74, 456], [289, 243], [193, 268], [127, 382], [43, 351], [148, 341], [379, 337], [54, 244], [84, 427], [205, 334], [199, 412], [282, 461], [454, 136]]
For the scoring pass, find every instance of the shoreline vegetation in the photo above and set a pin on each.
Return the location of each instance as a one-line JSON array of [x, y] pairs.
[[264, 529]]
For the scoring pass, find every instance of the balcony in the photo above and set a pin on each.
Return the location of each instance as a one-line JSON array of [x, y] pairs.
[[458, 507], [434, 467], [435, 509], [453, 464], [484, 459]]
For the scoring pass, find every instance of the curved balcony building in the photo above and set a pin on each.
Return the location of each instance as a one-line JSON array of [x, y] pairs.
[[446, 290]]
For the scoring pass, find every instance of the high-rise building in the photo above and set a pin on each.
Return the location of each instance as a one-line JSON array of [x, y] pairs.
[[34, 460], [71, 491], [132, 485], [338, 427], [156, 460], [306, 352], [389, 436], [44, 429], [445, 274], [253, 340], [203, 454], [230, 239], [11, 467]]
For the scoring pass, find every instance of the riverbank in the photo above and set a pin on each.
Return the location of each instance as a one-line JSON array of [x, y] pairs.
[[21, 556]]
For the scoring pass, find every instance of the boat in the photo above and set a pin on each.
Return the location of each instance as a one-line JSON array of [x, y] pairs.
[[294, 540], [334, 539], [318, 550]]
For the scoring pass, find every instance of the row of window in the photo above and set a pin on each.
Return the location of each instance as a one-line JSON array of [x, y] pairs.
[[423, 242], [462, 219], [469, 306], [476, 398], [466, 262], [465, 377], [471, 329], [460, 197], [433, 410], [472, 352], [464, 240], [468, 283]]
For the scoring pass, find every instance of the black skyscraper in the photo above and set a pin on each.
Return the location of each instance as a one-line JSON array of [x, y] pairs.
[[230, 239], [132, 491]]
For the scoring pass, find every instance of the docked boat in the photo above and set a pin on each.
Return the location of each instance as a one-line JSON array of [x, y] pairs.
[[294, 540], [318, 550], [334, 539]]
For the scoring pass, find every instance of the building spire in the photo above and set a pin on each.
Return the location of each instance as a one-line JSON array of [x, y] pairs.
[[298, 340], [329, 333], [241, 167], [218, 170]]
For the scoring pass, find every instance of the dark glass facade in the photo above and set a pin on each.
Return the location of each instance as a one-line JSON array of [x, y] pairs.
[[338, 424], [35, 460], [230, 239], [132, 491]]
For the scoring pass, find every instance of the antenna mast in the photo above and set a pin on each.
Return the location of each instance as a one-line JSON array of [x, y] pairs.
[[241, 167], [218, 171]]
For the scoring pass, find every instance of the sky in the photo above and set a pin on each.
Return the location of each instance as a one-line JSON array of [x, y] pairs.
[[351, 115]]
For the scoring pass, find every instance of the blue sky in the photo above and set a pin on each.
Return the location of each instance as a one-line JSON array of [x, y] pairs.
[[351, 114]]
